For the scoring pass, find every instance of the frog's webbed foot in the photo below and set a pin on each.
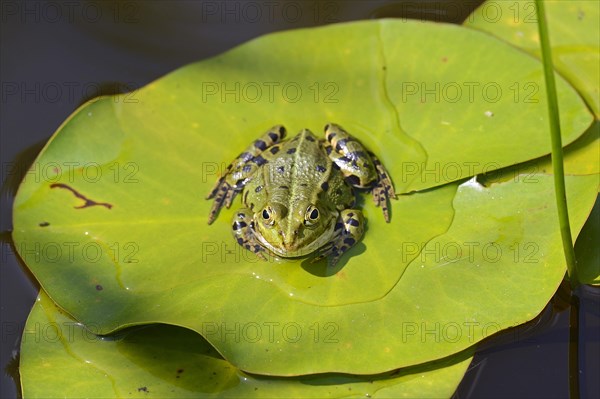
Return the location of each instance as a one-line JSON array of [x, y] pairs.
[[243, 232], [240, 171], [360, 167], [383, 190], [348, 231], [223, 195]]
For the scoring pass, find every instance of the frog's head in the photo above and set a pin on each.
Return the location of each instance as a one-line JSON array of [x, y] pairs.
[[294, 231]]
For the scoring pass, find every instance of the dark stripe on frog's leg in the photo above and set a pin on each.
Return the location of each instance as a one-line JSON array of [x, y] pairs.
[[223, 198], [243, 232], [238, 173], [350, 155], [360, 167], [384, 189], [349, 229]]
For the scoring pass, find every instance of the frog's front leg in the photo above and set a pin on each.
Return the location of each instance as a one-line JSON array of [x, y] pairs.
[[348, 231], [243, 232], [241, 169], [360, 167]]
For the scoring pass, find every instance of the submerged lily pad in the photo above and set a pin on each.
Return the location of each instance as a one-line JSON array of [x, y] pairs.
[[60, 358], [122, 239], [574, 28]]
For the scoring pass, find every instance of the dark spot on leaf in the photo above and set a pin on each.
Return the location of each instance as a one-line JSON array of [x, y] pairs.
[[99, 287], [325, 186], [88, 202], [44, 224], [291, 150], [143, 389]]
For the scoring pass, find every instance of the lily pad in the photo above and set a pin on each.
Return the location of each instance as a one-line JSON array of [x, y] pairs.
[[112, 222], [574, 28], [60, 358]]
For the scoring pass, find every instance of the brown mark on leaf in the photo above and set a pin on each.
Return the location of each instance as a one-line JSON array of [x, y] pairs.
[[44, 224], [88, 202]]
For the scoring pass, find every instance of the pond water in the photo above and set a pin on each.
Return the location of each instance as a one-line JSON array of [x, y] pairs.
[[55, 56]]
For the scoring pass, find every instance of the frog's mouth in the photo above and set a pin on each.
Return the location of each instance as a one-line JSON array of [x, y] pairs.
[[307, 249]]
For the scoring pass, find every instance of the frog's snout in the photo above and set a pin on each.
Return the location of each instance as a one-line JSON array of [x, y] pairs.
[[289, 239]]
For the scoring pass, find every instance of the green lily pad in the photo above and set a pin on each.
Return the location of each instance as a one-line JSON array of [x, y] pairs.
[[112, 220], [574, 28], [60, 358]]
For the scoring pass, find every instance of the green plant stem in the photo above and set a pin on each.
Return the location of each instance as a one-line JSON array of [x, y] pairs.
[[557, 153]]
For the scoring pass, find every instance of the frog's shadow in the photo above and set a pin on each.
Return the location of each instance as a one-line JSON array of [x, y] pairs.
[[322, 267]]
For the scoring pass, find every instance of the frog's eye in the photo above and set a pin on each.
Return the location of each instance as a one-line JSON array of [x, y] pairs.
[[312, 215], [267, 215]]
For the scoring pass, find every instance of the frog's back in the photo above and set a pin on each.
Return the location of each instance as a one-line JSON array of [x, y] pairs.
[[300, 167]]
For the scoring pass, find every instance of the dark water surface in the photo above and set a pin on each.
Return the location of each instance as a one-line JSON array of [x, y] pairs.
[[55, 55]]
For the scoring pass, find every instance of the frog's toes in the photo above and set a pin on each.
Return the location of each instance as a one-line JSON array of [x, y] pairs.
[[380, 197], [383, 177], [223, 197]]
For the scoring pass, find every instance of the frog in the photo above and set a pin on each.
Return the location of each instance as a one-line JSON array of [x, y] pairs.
[[299, 194]]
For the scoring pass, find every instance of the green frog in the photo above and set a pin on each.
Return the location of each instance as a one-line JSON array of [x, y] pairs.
[[298, 194]]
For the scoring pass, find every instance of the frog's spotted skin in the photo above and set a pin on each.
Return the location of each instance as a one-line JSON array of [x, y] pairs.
[[238, 172], [361, 168], [298, 194]]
